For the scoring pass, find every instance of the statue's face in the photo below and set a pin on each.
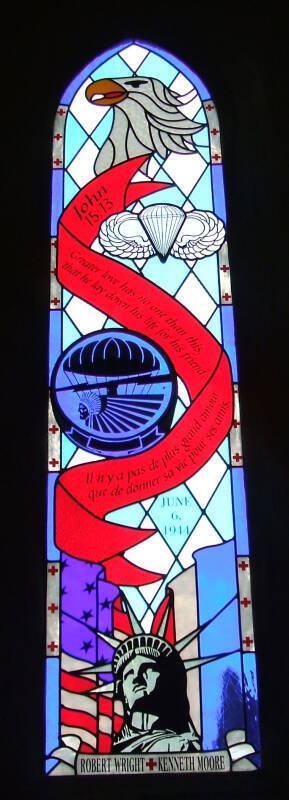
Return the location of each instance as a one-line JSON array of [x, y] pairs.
[[139, 679]]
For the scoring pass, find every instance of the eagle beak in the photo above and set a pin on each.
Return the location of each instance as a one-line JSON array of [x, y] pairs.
[[105, 92]]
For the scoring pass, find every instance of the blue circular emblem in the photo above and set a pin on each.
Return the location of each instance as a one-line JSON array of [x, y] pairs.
[[114, 393]]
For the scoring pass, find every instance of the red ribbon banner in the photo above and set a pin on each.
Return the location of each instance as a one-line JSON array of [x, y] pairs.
[[87, 493]]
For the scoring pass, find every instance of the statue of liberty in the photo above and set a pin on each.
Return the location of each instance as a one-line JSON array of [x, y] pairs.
[[149, 678], [151, 682]]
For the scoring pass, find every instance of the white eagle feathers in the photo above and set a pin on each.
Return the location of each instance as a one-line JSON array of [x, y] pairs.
[[147, 119]]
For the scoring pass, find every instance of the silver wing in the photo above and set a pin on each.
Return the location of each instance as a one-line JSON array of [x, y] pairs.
[[201, 235], [123, 235]]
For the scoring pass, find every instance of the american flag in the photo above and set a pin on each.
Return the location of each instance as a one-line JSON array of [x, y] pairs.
[[91, 604]]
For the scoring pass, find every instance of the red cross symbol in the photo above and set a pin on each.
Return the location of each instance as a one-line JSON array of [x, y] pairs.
[[53, 462], [236, 389], [54, 244], [235, 423], [53, 271], [151, 764], [55, 301], [224, 268], [237, 457], [52, 608], [61, 112], [216, 157], [53, 570], [245, 602], [210, 107], [57, 161], [214, 131], [52, 646], [57, 136], [243, 566], [53, 429], [226, 296], [247, 641]]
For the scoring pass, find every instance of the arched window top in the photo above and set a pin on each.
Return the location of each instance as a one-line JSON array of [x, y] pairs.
[[129, 58]]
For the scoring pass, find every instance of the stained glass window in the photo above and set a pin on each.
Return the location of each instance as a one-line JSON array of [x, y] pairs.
[[150, 662]]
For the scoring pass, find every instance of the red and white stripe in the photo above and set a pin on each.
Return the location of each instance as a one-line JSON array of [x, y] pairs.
[[78, 713]]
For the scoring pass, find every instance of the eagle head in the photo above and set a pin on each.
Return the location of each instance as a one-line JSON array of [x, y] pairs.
[[148, 119], [109, 92]]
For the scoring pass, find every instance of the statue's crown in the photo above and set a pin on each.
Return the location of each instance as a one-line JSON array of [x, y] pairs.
[[142, 644], [146, 644]]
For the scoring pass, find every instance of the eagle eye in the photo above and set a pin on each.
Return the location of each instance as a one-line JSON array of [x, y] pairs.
[[135, 84]]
